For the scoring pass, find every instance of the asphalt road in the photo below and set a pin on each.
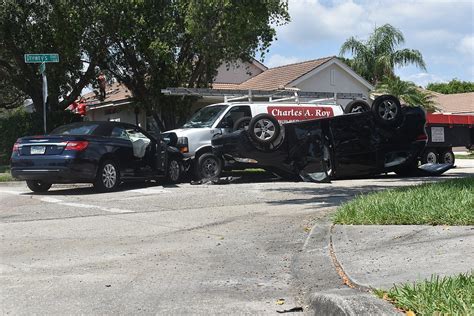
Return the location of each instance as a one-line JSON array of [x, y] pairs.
[[185, 249]]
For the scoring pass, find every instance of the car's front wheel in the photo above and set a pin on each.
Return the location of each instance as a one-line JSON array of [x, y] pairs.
[[38, 185], [173, 174], [108, 177]]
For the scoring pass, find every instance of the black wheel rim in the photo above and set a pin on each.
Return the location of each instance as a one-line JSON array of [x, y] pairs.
[[210, 167]]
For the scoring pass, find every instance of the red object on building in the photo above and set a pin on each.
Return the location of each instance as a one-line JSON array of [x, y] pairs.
[[81, 109]]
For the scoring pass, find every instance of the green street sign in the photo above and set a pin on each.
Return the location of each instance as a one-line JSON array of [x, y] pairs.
[[41, 58]]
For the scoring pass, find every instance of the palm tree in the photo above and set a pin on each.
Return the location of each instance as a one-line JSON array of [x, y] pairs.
[[407, 92], [377, 57]]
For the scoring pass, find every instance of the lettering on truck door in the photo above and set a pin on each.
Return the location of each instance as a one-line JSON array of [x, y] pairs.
[[287, 114]]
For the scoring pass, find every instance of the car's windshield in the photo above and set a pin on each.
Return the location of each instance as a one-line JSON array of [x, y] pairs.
[[75, 129], [206, 116]]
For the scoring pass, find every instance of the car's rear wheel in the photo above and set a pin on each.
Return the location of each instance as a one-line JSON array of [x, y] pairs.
[[242, 123], [264, 129], [38, 185], [357, 106], [447, 156], [173, 174], [429, 156], [108, 177], [209, 166], [387, 111]]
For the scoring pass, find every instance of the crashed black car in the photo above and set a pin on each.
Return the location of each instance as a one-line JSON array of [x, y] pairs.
[[386, 138]]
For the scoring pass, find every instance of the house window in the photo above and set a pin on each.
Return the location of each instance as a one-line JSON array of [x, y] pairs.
[[333, 77]]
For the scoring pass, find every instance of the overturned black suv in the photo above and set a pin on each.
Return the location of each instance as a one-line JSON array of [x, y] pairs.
[[384, 138]]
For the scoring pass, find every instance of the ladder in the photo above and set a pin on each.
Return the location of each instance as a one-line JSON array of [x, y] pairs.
[[272, 95]]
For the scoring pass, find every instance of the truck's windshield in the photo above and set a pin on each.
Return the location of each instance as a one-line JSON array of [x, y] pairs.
[[206, 116]]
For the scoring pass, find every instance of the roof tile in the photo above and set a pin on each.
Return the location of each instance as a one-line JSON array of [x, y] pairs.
[[278, 77], [455, 103]]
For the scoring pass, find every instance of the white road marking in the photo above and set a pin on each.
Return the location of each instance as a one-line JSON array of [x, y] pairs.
[[88, 206], [148, 191], [48, 199], [11, 192]]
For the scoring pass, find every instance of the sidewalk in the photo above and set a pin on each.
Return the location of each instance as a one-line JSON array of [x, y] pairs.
[[375, 256]]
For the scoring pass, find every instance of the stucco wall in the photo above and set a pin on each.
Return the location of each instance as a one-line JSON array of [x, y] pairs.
[[334, 79], [236, 73], [123, 114]]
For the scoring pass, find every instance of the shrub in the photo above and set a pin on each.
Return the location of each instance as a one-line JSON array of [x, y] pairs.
[[19, 123]]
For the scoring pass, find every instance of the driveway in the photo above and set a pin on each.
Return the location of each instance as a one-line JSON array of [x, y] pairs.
[[185, 249]]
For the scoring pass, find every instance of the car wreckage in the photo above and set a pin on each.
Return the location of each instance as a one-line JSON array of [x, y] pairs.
[[385, 138]]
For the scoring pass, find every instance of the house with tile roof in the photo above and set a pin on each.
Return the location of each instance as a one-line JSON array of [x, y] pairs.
[[458, 103], [327, 74]]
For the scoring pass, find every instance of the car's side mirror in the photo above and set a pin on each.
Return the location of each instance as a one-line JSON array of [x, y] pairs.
[[227, 122], [171, 139]]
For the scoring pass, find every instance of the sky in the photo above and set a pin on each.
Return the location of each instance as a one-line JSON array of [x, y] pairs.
[[442, 30]]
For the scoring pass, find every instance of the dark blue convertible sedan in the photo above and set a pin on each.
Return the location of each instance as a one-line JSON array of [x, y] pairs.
[[102, 153]]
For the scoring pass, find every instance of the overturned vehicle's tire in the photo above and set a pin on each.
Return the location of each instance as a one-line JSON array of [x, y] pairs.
[[357, 106], [264, 129], [387, 111], [242, 123]]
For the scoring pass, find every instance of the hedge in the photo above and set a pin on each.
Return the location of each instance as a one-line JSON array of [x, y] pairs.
[[19, 123]]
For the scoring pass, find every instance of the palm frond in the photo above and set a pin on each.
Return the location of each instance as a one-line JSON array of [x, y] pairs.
[[407, 56]]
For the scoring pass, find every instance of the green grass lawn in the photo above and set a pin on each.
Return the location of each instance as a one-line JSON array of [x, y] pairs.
[[438, 296], [444, 203], [470, 156]]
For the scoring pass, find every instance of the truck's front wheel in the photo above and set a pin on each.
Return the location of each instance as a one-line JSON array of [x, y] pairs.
[[209, 166]]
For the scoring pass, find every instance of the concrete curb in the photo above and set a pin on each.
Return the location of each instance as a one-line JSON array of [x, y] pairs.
[[349, 302], [353, 299]]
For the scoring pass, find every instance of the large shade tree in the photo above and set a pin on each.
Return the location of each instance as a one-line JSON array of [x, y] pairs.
[[145, 44], [376, 58], [46, 27], [182, 43]]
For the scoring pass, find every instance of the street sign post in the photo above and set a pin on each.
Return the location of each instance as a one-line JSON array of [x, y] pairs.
[[42, 59]]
